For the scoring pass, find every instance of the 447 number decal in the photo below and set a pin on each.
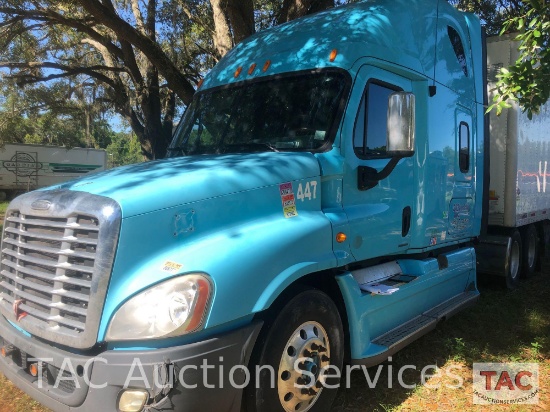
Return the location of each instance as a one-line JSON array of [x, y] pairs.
[[307, 191]]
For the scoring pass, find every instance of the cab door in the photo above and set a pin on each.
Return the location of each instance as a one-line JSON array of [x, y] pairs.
[[380, 217]]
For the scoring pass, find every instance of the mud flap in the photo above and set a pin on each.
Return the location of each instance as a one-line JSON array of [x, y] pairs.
[[492, 254]]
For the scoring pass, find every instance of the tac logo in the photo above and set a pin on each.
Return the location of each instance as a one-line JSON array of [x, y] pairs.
[[506, 383]]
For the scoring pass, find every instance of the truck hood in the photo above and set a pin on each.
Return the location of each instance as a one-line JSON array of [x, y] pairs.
[[150, 186]]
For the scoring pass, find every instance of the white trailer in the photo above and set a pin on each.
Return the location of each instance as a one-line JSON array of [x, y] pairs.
[[519, 190], [25, 167]]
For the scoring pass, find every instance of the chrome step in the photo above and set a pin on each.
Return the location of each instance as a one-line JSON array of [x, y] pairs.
[[403, 332], [453, 305]]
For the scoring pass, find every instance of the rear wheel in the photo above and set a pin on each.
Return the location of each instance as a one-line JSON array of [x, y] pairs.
[[513, 265], [300, 348], [531, 250]]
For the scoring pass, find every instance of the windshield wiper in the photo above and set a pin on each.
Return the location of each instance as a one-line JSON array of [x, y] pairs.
[[268, 145], [249, 147]]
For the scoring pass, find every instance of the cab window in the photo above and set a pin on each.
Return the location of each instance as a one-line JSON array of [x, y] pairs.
[[370, 132]]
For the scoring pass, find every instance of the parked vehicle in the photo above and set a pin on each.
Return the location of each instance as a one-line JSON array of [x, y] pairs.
[[319, 205], [25, 167], [519, 203]]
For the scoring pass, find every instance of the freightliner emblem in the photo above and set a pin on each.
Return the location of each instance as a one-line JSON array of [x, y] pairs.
[[41, 204]]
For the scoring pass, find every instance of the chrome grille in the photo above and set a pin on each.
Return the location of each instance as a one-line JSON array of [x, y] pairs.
[[55, 267], [48, 264]]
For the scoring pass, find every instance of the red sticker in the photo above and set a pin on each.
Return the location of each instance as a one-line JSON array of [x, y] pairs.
[[288, 200]]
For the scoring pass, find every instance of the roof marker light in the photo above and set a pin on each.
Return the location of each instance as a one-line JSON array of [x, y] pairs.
[[252, 68], [238, 71], [201, 81], [266, 65], [333, 55]]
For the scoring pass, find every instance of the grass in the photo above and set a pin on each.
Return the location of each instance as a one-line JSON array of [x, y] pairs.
[[3, 207], [505, 326]]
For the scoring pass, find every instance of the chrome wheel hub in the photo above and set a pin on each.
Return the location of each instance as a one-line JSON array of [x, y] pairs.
[[301, 373]]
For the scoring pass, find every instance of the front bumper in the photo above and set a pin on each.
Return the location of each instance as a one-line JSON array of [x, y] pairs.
[[176, 378]]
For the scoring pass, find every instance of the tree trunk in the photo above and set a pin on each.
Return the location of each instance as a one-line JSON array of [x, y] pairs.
[[292, 9], [223, 41], [233, 22], [241, 18]]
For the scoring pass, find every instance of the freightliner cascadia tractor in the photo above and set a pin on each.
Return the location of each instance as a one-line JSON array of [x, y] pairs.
[[319, 207]]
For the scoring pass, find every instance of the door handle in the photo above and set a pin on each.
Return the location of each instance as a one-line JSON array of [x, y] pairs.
[[406, 222]]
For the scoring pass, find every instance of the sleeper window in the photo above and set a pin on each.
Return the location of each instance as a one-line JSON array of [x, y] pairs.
[[458, 48], [464, 152]]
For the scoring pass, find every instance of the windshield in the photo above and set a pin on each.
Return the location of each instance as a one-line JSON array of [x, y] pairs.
[[283, 113]]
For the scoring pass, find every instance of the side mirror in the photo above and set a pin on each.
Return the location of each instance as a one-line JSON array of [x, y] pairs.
[[401, 125]]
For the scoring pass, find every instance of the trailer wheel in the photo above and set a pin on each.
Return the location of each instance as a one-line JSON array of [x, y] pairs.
[[531, 250], [513, 266], [305, 338]]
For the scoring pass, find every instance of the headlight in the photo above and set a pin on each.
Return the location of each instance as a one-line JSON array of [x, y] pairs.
[[172, 308]]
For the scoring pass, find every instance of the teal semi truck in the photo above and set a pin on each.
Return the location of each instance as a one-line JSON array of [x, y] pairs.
[[320, 205]]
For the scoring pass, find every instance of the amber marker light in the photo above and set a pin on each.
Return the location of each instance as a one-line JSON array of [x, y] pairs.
[[33, 369], [6, 351], [201, 81], [333, 55], [200, 307], [341, 237], [266, 66], [238, 71], [252, 68]]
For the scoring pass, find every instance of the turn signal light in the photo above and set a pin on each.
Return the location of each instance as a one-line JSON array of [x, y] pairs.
[[33, 369], [341, 237], [6, 351]]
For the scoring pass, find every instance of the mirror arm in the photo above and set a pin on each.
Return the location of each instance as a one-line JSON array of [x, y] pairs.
[[368, 177]]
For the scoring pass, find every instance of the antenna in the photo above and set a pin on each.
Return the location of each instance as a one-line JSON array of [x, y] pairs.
[[433, 88]]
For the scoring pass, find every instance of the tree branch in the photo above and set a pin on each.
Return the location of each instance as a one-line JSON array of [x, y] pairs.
[[68, 71], [137, 15], [178, 82], [82, 25]]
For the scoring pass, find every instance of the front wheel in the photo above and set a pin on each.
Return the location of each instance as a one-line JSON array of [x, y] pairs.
[[298, 357]]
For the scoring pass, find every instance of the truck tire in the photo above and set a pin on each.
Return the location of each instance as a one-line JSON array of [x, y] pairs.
[[513, 265], [531, 250], [305, 337]]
